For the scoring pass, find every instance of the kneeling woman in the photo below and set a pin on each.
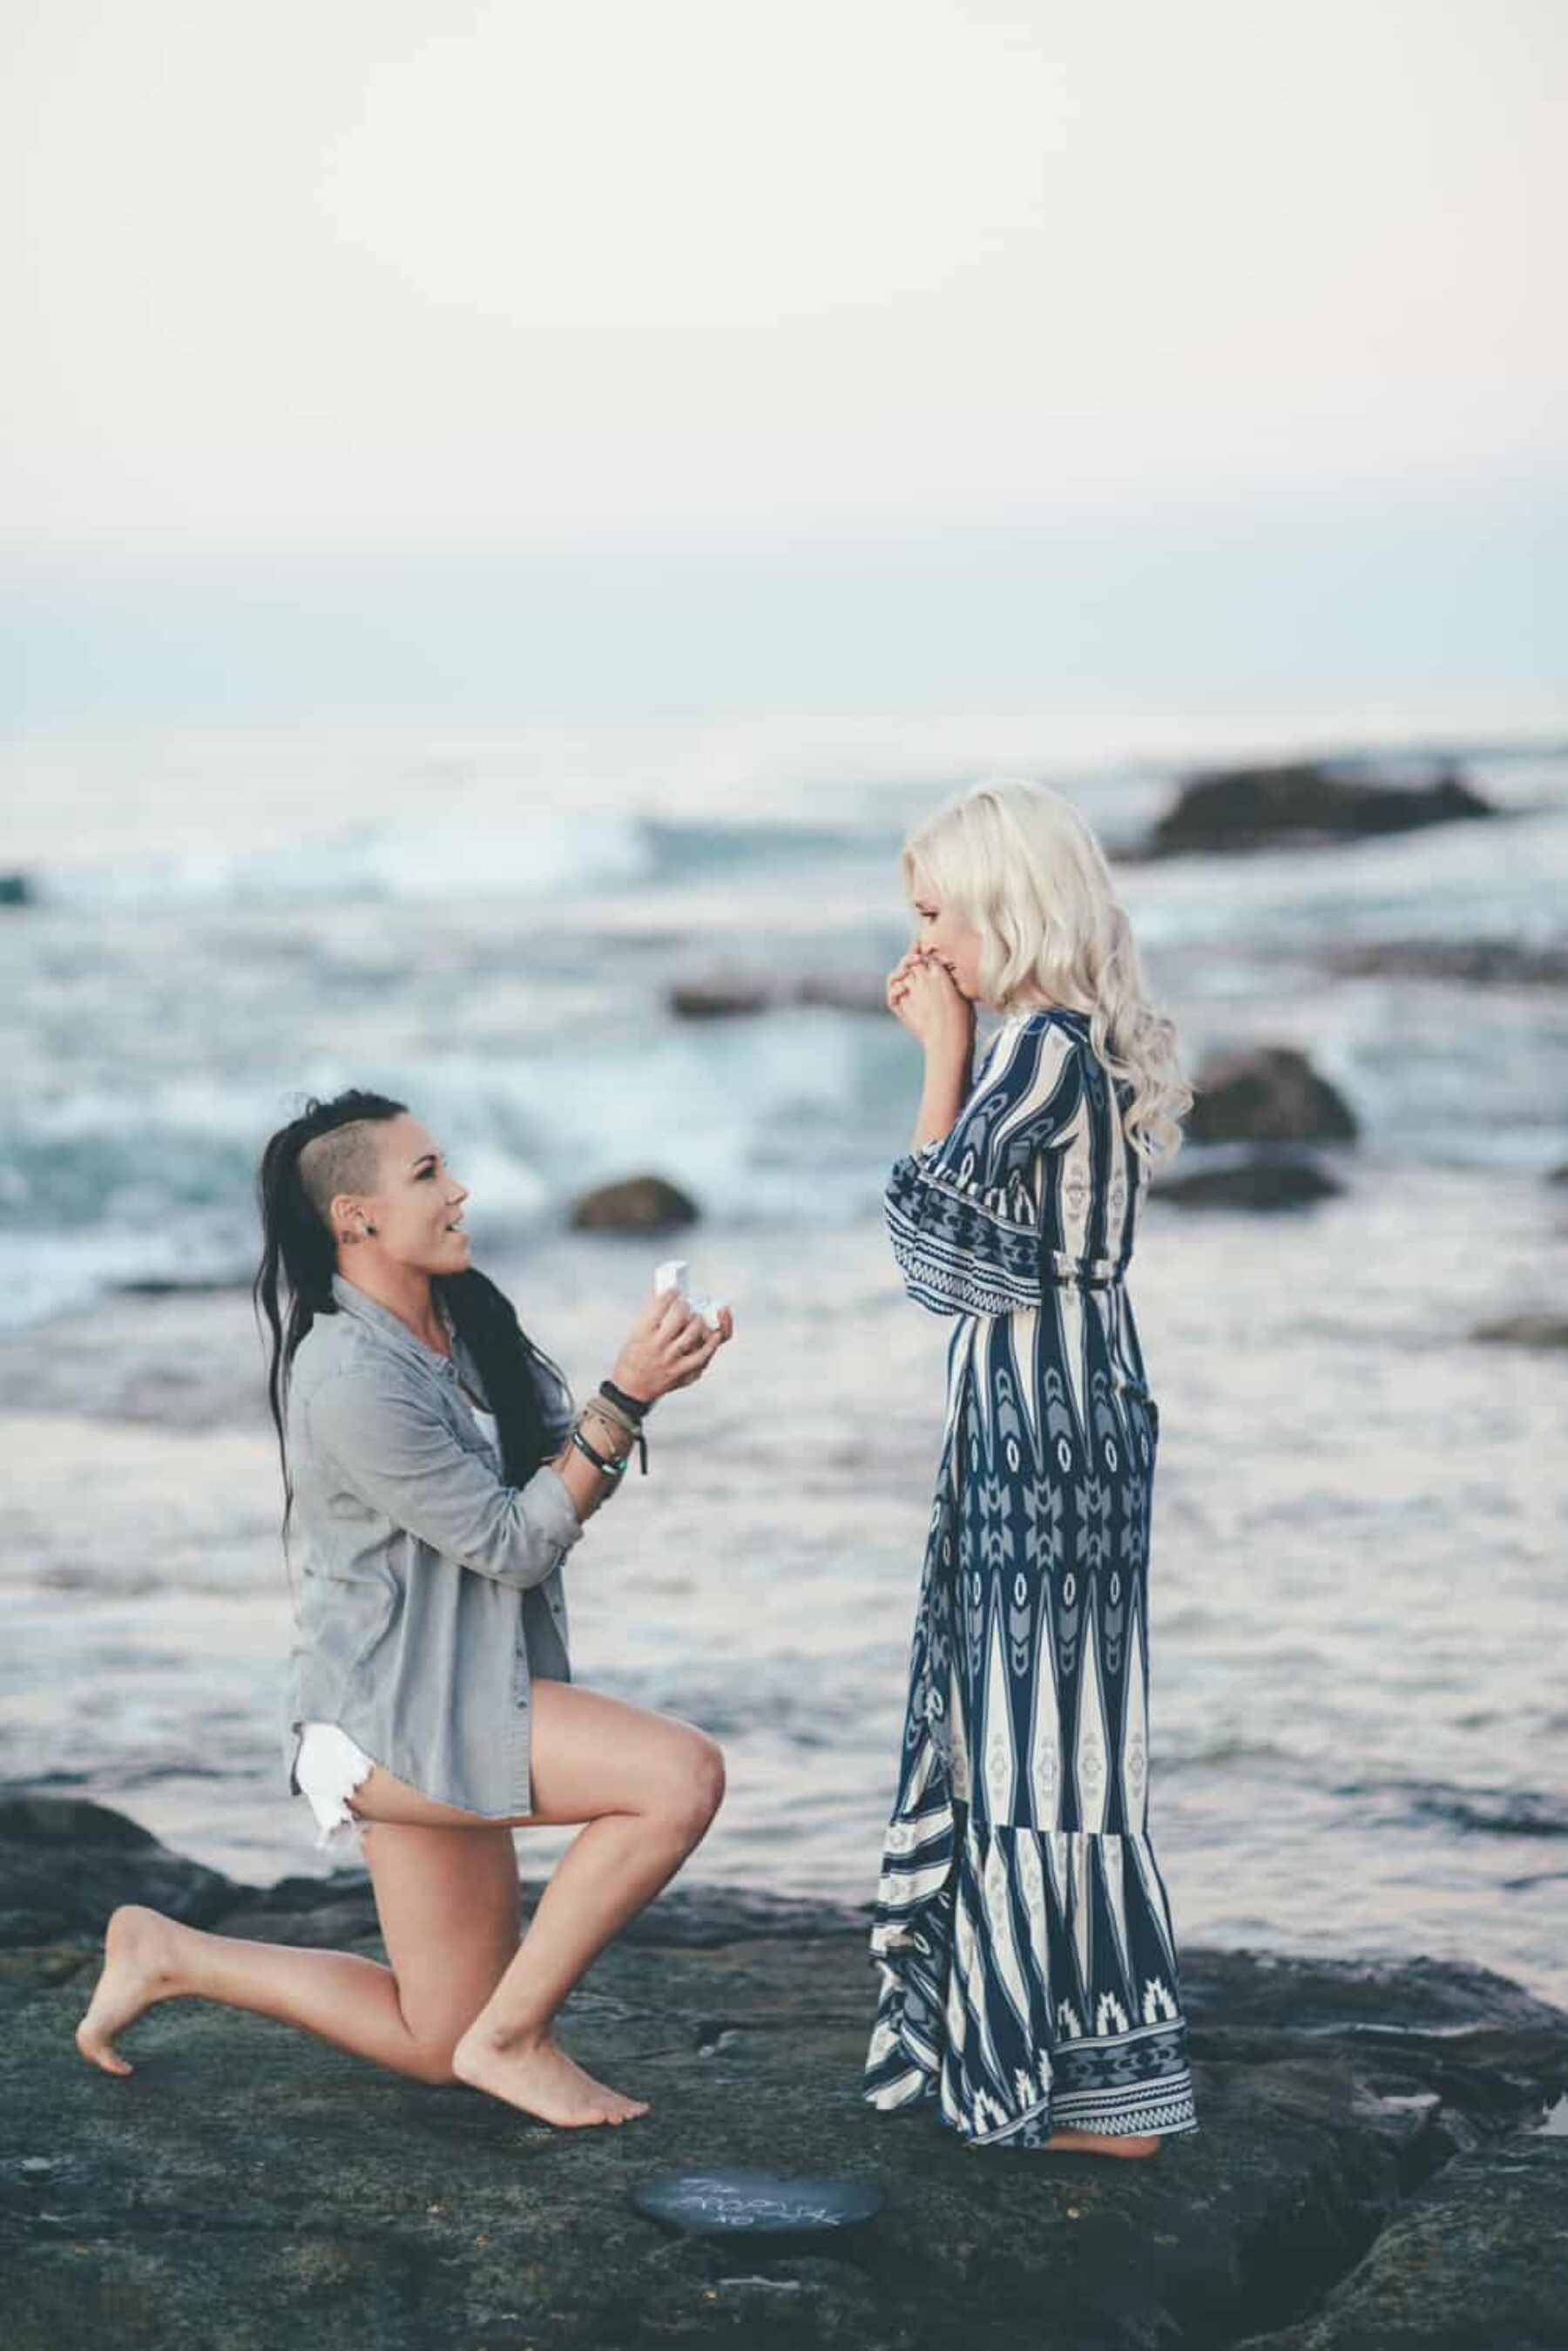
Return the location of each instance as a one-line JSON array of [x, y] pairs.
[[437, 1477]]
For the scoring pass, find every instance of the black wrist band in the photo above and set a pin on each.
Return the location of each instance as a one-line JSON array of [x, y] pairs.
[[637, 1405]]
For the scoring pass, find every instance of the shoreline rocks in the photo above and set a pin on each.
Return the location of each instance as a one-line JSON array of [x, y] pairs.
[[1371, 2154], [1471, 963], [1310, 802], [1531, 1327], [732, 995]]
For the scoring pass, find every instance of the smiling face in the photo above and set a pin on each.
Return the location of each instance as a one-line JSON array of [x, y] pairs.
[[414, 1215], [939, 932]]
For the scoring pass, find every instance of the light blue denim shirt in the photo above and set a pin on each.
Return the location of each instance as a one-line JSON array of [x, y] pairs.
[[430, 1590]]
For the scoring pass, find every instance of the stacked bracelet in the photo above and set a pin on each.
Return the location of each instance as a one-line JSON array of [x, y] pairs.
[[606, 1467], [624, 1413]]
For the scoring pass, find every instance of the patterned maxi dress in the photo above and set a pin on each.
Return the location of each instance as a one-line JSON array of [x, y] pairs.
[[1023, 1935]]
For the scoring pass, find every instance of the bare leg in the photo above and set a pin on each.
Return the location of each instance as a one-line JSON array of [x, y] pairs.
[[461, 2000], [462, 1882], [648, 1786], [1103, 2143]]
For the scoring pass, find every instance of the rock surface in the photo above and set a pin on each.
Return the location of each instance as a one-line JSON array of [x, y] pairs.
[[1263, 1179], [1476, 963], [1538, 1327], [737, 995], [1367, 2172], [640, 1204], [1266, 1094], [1307, 801]]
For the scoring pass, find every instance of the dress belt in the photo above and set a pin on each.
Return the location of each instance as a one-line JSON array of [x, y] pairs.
[[1064, 1272]]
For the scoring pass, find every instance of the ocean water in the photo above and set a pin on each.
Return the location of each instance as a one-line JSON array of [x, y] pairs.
[[1357, 1608]]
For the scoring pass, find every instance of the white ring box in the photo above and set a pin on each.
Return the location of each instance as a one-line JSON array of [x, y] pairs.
[[675, 1274]]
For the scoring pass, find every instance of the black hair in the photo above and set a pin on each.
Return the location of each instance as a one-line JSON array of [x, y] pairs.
[[293, 1285]]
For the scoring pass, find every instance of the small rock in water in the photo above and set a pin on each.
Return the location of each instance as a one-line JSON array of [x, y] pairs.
[[640, 1204], [754, 2203], [1267, 1093], [1528, 1329], [1264, 1178], [1307, 801]]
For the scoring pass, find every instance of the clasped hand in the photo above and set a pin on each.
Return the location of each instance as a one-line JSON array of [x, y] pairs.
[[924, 995]]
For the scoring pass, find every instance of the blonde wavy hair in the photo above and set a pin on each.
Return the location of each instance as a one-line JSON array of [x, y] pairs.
[[1016, 862]]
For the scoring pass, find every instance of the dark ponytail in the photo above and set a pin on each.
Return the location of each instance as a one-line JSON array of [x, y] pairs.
[[299, 1255], [294, 1284], [505, 1356]]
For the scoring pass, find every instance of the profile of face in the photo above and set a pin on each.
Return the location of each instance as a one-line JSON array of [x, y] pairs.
[[414, 1216], [953, 943]]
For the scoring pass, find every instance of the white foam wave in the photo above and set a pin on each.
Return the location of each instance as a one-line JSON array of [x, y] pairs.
[[529, 858]]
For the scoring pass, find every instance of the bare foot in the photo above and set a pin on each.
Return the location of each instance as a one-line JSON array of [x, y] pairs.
[[1102, 2143], [137, 1968], [540, 2077]]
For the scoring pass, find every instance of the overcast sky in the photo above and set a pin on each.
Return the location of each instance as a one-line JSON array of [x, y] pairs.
[[340, 277]]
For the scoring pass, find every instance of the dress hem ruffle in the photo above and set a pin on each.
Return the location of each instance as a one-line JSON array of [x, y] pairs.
[[942, 1974]]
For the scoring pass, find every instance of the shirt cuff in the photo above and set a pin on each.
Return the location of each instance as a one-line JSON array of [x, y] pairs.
[[551, 1507]]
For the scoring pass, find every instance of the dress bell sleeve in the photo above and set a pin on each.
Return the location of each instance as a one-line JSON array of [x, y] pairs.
[[961, 1216]]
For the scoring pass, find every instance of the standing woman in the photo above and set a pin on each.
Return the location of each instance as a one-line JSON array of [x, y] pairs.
[[1023, 1935], [437, 1479]]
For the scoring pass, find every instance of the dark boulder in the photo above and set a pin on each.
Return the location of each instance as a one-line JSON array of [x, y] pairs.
[[638, 1204], [1265, 1179], [721, 1000], [1307, 801], [1267, 1093], [1530, 1327], [725, 996], [110, 1861], [1470, 963], [16, 890]]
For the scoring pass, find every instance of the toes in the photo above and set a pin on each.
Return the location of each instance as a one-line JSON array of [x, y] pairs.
[[108, 2059]]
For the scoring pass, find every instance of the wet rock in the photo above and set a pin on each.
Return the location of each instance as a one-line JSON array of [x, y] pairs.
[[845, 991], [1475, 962], [1267, 1093], [1263, 1179], [1303, 802], [111, 1860], [640, 1204], [1476, 2257], [1531, 1328], [738, 995], [169, 1286], [16, 890], [1366, 2132], [719, 1000]]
